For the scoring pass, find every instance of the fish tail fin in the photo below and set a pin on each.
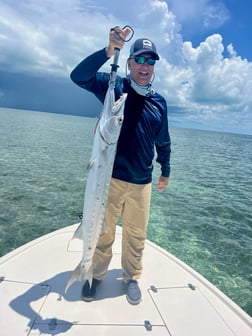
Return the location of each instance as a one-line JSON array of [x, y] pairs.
[[89, 275], [74, 276], [81, 273]]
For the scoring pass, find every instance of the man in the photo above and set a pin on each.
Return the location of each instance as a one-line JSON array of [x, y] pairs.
[[144, 129]]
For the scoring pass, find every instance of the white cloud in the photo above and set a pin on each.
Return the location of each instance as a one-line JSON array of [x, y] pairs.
[[215, 15], [200, 13], [49, 37], [209, 87]]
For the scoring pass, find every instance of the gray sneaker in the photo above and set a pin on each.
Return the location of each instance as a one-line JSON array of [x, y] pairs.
[[133, 292]]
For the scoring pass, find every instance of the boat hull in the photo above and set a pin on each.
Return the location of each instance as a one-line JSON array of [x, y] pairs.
[[176, 301]]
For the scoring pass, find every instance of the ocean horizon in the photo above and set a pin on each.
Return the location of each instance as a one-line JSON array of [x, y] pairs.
[[204, 217]]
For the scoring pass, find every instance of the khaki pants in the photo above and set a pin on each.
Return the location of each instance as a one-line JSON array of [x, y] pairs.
[[132, 203]]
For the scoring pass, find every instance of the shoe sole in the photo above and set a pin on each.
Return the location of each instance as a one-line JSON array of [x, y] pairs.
[[91, 298], [87, 299], [133, 302]]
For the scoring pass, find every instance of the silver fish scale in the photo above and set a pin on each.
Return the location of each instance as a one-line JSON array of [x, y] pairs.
[[97, 187]]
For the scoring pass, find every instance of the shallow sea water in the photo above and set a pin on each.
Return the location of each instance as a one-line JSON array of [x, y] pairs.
[[204, 217]]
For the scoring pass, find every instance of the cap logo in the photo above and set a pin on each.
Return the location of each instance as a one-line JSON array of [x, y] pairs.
[[147, 44]]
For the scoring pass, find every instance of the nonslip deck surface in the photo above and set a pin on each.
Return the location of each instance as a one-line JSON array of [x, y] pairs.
[[177, 301]]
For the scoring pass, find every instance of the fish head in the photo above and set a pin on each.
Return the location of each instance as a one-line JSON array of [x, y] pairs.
[[118, 106], [110, 130]]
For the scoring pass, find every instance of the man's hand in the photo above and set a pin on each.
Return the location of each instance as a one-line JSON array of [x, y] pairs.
[[162, 183], [116, 39]]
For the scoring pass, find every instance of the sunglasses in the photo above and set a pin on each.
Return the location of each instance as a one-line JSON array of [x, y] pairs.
[[142, 60]]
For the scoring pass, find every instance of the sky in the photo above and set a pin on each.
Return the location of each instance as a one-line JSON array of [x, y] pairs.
[[205, 48]]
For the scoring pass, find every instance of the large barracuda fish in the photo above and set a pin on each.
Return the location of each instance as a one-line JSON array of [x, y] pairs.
[[97, 187]]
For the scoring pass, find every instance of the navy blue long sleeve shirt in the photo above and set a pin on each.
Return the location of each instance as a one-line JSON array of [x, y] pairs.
[[145, 125]]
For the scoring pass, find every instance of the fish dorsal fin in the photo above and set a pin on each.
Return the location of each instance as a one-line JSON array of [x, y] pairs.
[[78, 234]]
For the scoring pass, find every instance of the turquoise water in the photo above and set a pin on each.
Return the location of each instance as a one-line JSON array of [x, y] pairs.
[[204, 217]]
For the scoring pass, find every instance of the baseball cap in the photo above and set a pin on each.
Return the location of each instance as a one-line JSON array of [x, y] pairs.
[[143, 45]]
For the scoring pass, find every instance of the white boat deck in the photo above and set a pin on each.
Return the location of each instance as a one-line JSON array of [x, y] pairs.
[[177, 301]]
